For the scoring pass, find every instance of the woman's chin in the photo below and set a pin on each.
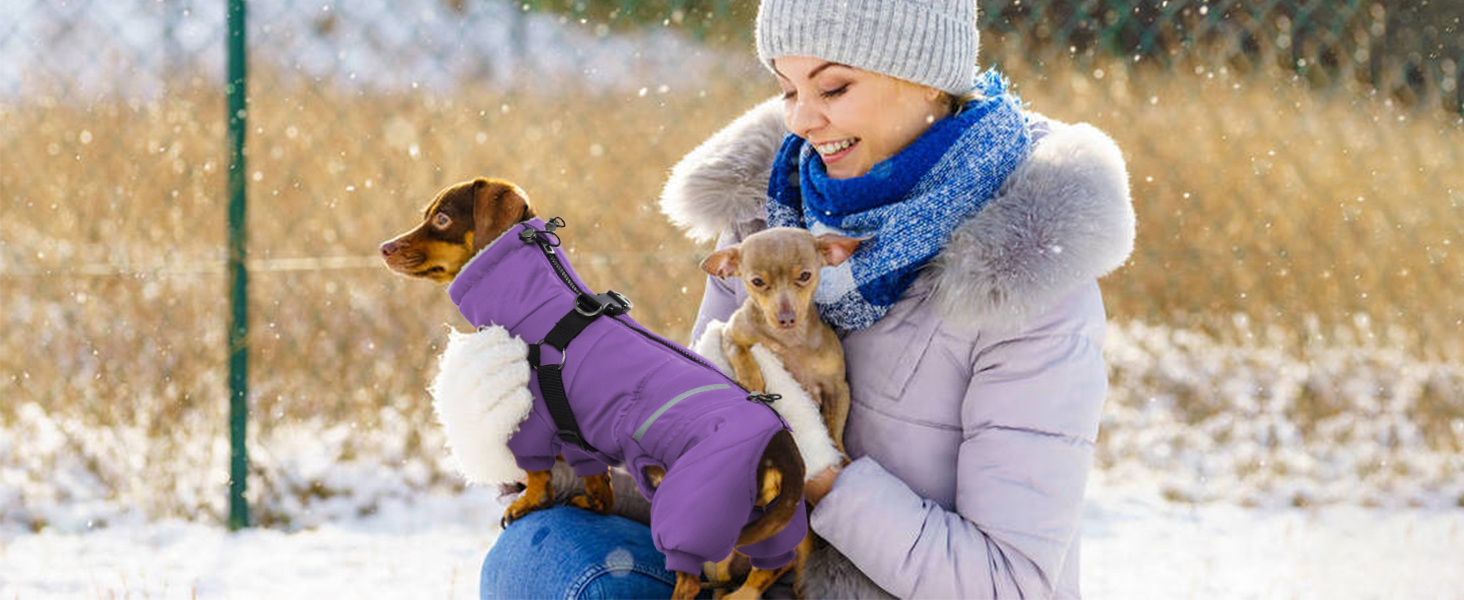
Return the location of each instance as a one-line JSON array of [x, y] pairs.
[[845, 169]]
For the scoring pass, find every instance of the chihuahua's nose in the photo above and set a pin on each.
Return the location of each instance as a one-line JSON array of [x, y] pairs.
[[786, 318], [388, 248]]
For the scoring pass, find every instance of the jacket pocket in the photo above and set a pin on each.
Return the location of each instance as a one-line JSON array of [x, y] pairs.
[[883, 359]]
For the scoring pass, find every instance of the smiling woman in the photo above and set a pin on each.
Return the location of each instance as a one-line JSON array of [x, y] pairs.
[[852, 117], [970, 317]]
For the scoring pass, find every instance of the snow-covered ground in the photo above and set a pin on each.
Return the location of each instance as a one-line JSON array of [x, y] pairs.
[[1224, 468], [1135, 545]]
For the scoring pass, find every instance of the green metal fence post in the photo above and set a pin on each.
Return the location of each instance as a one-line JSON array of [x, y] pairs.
[[239, 277]]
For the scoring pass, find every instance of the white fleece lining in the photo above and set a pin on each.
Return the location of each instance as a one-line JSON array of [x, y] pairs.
[[480, 395]]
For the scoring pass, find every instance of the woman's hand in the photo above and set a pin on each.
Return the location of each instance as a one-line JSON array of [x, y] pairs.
[[816, 488]]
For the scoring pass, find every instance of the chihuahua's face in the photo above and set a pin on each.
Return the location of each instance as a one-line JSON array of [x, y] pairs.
[[455, 226], [780, 269]]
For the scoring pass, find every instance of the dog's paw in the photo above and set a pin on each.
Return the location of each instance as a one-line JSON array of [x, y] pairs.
[[588, 502]]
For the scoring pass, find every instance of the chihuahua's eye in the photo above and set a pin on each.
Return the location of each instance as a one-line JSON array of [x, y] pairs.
[[805, 276], [757, 282], [441, 221]]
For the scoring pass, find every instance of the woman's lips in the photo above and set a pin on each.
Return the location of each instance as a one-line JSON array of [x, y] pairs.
[[832, 158]]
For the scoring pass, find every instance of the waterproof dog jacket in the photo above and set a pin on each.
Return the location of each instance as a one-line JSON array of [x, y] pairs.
[[640, 400]]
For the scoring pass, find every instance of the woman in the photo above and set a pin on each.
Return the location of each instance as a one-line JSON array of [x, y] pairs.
[[971, 320]]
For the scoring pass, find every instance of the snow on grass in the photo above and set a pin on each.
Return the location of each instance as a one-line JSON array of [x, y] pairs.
[[1135, 545], [1225, 468]]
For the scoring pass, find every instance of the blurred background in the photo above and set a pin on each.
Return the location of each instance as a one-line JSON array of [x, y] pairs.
[[1288, 333]]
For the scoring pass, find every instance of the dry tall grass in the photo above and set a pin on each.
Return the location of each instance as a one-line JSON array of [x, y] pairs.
[[1253, 197]]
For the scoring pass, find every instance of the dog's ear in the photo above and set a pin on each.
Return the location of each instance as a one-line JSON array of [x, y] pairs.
[[723, 263], [835, 248], [497, 206]]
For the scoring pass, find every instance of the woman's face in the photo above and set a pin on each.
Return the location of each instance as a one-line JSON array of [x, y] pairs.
[[853, 118]]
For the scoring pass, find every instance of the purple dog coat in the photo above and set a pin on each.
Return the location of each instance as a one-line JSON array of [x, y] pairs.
[[640, 400]]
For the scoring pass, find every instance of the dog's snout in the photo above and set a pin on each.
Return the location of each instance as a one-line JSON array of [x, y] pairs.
[[389, 248], [786, 317]]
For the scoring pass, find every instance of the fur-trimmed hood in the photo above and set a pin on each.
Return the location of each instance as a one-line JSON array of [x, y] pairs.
[[1063, 217]]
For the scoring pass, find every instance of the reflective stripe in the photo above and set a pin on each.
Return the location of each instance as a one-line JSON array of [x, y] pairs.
[[647, 425]]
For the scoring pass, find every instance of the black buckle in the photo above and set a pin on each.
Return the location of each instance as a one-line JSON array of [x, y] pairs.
[[611, 303], [531, 235], [767, 399]]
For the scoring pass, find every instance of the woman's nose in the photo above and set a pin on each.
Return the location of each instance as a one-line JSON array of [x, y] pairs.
[[803, 118]]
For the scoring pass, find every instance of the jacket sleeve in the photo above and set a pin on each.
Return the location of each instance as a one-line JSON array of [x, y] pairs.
[[1029, 420]]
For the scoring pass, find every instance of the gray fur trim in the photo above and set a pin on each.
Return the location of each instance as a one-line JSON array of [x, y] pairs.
[[830, 574], [1063, 217], [723, 182]]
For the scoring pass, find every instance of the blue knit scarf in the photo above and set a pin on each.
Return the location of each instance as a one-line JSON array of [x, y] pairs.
[[909, 203]]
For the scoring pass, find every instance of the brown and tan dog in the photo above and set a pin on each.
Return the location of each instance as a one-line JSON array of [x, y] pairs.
[[456, 225], [460, 222], [779, 268]]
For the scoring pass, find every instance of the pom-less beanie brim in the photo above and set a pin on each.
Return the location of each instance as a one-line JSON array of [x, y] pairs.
[[929, 42]]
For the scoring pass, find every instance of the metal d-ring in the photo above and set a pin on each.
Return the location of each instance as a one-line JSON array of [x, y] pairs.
[[563, 354]]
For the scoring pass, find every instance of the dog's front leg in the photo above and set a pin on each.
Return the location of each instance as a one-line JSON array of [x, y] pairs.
[[599, 494], [538, 493], [744, 367]]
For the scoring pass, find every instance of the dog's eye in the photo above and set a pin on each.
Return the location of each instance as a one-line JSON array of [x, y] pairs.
[[757, 282], [805, 276], [441, 220]]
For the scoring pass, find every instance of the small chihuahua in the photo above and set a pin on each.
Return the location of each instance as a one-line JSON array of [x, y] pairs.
[[780, 269]]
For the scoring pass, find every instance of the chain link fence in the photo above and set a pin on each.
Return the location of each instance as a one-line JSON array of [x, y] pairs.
[[1294, 166]]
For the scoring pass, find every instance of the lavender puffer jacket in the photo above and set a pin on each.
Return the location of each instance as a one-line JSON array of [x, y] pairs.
[[976, 399]]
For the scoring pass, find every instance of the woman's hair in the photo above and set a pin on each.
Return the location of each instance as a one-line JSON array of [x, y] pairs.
[[956, 103]]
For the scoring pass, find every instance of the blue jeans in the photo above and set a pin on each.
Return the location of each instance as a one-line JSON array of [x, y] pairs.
[[566, 552]]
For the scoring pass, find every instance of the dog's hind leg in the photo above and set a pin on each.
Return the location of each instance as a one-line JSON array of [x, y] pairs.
[[687, 586], [599, 494]]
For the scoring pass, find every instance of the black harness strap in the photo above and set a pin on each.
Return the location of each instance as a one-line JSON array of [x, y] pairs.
[[587, 308]]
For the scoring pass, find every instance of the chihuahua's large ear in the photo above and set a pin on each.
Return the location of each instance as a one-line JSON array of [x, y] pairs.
[[836, 248], [497, 206], [723, 263]]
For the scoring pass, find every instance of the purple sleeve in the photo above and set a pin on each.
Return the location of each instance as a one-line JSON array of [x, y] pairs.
[[584, 463], [534, 445]]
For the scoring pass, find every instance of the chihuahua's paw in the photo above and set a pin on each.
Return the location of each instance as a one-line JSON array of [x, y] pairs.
[[745, 592]]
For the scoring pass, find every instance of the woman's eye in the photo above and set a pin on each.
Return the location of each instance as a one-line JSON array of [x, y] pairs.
[[790, 94], [836, 91], [441, 220], [757, 282], [805, 276]]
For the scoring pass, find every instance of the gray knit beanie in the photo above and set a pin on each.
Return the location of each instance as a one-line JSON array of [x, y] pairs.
[[930, 42]]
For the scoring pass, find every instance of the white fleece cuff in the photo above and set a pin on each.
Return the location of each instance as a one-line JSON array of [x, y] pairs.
[[480, 395]]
